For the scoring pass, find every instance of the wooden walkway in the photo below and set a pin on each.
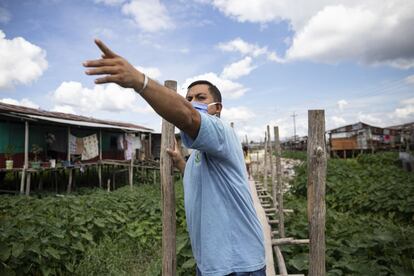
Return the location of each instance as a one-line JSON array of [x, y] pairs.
[[270, 267]]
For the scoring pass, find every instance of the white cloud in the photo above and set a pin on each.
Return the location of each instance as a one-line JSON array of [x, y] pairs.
[[152, 72], [21, 61], [341, 104], [240, 114], [243, 47], [338, 121], [371, 32], [64, 109], [248, 49], [410, 79], [4, 15], [369, 119], [406, 110], [228, 88], [111, 98], [110, 2], [23, 102], [238, 69], [150, 16]]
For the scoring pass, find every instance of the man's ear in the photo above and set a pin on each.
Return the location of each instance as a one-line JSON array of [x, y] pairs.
[[219, 107]]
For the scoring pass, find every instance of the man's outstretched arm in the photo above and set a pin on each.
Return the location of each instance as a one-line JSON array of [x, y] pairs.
[[171, 106]]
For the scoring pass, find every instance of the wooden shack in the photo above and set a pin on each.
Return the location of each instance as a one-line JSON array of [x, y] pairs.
[[38, 141], [357, 138]]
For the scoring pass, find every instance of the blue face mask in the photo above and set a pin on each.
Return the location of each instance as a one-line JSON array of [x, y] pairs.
[[201, 107]]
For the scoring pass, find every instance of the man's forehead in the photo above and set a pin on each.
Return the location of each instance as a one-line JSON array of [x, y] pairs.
[[197, 89]]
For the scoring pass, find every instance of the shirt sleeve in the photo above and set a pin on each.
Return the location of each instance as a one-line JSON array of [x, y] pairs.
[[211, 137]]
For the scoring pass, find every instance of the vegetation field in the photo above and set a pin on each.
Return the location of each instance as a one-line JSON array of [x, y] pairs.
[[370, 217], [94, 233], [369, 228]]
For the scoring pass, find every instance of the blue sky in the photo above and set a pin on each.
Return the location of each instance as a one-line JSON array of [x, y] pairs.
[[270, 58]]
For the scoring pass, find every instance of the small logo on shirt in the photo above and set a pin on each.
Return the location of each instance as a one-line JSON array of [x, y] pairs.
[[197, 157]]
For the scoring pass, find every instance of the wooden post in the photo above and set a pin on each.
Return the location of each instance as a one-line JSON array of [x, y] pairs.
[[265, 163], [69, 188], [26, 156], [280, 261], [272, 168], [29, 176], [131, 171], [150, 146], [279, 184], [168, 195], [316, 191], [100, 159], [257, 162]]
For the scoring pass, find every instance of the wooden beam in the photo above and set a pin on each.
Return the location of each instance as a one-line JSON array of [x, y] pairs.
[[289, 241], [279, 186], [316, 191], [131, 171], [280, 261], [26, 156], [168, 196], [265, 163]]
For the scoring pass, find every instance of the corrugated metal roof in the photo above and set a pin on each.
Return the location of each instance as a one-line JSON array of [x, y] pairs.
[[65, 118]]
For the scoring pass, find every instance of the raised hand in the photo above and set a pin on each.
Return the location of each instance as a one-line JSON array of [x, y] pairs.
[[117, 69]]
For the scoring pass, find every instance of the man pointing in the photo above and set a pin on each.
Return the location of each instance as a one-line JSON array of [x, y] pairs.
[[225, 233]]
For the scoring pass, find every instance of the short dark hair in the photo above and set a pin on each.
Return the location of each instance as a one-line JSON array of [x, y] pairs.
[[214, 91]]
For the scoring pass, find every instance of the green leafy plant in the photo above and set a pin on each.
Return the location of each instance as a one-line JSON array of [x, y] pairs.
[[36, 150], [369, 222], [9, 152]]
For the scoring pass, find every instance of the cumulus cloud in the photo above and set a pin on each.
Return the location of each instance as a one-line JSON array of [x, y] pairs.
[[150, 16], [4, 15], [369, 119], [239, 114], [406, 110], [152, 72], [64, 109], [369, 32], [338, 121], [72, 96], [248, 49], [21, 61], [341, 104], [23, 102], [238, 69], [228, 88], [110, 2], [410, 79]]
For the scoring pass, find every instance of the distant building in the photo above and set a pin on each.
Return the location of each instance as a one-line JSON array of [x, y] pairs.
[[360, 137]]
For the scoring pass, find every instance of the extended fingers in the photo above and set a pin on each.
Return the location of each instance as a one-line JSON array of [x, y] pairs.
[[107, 79], [102, 70], [99, 63], [105, 49]]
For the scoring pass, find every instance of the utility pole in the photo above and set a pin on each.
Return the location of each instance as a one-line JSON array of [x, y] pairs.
[[294, 126]]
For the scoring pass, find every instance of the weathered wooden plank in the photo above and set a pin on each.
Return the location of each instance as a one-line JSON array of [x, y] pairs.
[[289, 241], [280, 261], [168, 195], [279, 187], [316, 191]]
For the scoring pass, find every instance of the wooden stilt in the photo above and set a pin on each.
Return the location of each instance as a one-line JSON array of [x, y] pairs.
[[168, 196]]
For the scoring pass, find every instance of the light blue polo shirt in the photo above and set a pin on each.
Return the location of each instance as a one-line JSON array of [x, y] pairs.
[[226, 235]]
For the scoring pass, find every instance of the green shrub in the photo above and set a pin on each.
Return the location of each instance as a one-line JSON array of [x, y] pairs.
[[369, 222]]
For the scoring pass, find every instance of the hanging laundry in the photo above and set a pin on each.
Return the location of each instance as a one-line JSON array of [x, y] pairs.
[[132, 143], [120, 142], [90, 147], [79, 146]]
